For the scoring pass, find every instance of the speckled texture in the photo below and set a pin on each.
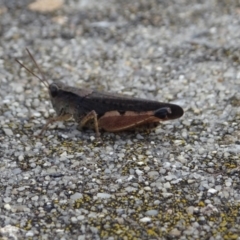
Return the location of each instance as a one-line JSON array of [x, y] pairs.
[[180, 181]]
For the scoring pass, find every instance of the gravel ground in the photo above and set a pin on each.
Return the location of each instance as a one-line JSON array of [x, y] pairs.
[[180, 181]]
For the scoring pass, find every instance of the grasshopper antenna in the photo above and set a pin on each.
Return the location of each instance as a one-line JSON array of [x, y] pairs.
[[43, 79]]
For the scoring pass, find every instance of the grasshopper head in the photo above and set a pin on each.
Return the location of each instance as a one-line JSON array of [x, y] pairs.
[[56, 95], [55, 88]]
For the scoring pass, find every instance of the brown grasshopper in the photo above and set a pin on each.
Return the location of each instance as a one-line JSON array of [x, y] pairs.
[[108, 111]]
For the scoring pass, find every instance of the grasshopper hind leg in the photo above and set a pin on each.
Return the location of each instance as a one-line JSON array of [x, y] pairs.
[[169, 112], [89, 117], [162, 113]]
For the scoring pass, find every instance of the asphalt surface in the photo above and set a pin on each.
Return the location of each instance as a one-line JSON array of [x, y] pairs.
[[179, 181]]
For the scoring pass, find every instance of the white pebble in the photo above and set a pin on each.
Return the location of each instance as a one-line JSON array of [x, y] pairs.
[[8, 131], [7, 199], [145, 219], [76, 196], [35, 198], [167, 185], [212, 190], [29, 234], [81, 217], [74, 219], [103, 195], [228, 183], [139, 172], [7, 206], [147, 188]]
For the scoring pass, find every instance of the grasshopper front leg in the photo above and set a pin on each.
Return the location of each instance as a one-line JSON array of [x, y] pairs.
[[55, 119], [90, 116]]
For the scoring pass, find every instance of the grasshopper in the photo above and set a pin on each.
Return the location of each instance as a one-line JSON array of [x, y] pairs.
[[107, 111]]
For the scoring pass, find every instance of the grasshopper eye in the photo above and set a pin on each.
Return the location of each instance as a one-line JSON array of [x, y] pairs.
[[53, 89]]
